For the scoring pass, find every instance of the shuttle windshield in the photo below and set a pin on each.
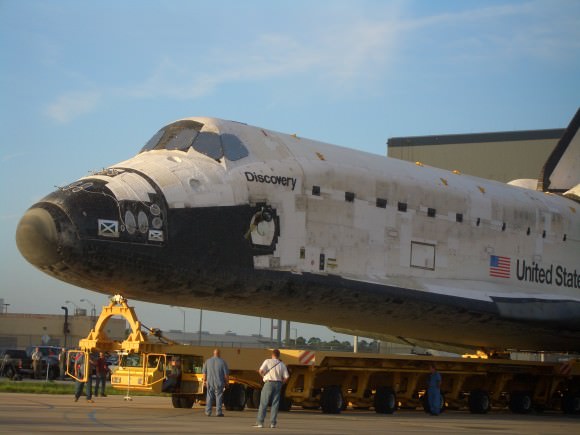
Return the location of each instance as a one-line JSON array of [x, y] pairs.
[[182, 135]]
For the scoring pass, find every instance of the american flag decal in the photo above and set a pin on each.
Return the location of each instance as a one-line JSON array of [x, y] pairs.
[[499, 267]]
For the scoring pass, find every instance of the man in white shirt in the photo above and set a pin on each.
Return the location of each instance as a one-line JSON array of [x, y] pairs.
[[275, 374]]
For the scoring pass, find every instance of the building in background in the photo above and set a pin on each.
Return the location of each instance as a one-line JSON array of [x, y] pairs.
[[20, 330], [501, 156]]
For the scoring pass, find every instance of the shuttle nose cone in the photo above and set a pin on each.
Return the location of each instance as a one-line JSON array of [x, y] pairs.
[[37, 238]]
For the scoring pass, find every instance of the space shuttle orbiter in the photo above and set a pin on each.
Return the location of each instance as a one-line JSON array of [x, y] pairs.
[[235, 218]]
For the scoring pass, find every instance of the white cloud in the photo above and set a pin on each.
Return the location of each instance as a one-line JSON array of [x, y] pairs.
[[9, 157], [73, 104], [538, 30], [338, 56], [351, 49]]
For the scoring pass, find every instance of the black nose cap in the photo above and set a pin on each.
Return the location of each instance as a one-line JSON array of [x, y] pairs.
[[37, 238]]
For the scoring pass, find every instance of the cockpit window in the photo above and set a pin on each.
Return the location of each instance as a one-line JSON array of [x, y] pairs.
[[150, 145], [177, 136], [184, 134], [233, 147], [209, 144], [182, 140]]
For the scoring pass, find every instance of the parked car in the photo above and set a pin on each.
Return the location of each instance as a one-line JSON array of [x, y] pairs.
[[15, 364], [112, 363], [49, 360]]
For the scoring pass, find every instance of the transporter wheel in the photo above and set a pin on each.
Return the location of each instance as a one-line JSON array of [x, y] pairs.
[[235, 397], [385, 400], [479, 402], [331, 400], [176, 401], [186, 401], [285, 402], [571, 403], [253, 397], [520, 402]]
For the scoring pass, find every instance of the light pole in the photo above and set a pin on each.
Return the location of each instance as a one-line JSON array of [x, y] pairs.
[[200, 324], [295, 336], [93, 310], [183, 312], [65, 328], [93, 307], [75, 305]]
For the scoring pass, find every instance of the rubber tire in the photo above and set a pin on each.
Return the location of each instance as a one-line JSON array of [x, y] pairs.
[[176, 401], [425, 400], [9, 372], [186, 401], [285, 402], [253, 398], [571, 403], [331, 400], [385, 400], [235, 397], [479, 402], [520, 402]]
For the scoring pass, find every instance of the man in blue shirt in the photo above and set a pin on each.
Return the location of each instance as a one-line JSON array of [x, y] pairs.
[[434, 391], [215, 378]]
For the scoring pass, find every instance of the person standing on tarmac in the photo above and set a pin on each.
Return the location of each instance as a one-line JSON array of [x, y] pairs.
[[62, 363], [101, 371], [36, 363], [434, 391], [274, 374], [215, 378], [79, 371]]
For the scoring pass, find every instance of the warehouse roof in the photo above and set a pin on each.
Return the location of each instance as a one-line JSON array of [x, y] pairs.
[[500, 136]]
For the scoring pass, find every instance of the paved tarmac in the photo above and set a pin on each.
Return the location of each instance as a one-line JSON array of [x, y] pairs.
[[42, 414]]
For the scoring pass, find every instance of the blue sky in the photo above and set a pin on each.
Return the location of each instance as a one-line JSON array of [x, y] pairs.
[[84, 84]]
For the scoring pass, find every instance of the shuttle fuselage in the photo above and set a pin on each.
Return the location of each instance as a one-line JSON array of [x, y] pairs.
[[234, 218]]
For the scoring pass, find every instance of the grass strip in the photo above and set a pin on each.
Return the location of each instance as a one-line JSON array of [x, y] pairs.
[[51, 387]]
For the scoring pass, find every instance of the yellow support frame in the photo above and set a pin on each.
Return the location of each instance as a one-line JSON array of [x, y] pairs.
[[98, 339]]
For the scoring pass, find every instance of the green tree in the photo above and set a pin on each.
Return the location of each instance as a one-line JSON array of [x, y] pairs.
[[314, 341], [300, 341]]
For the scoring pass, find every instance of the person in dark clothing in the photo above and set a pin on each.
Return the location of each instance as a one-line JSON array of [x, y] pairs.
[[80, 369], [434, 391], [102, 370]]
